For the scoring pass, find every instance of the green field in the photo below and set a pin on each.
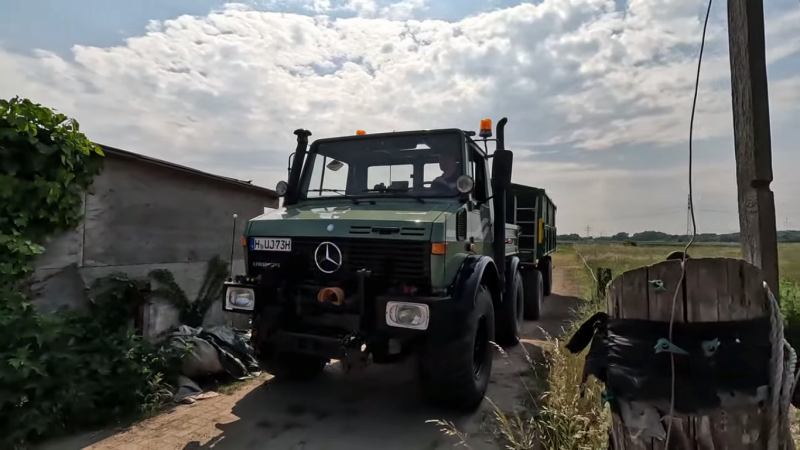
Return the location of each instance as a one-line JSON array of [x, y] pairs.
[[620, 257]]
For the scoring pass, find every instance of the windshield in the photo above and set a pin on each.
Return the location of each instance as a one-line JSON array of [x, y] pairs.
[[424, 165]]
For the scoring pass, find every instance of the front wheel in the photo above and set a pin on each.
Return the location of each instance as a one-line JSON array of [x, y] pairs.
[[455, 374]]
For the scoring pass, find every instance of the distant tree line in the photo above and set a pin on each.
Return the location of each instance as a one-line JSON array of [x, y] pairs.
[[658, 236]]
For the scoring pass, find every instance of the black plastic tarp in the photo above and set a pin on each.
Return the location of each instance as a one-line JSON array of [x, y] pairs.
[[633, 358]]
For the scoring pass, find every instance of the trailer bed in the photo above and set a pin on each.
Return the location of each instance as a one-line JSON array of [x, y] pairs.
[[534, 212]]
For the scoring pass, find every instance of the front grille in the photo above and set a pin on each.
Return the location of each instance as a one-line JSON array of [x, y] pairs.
[[390, 261]]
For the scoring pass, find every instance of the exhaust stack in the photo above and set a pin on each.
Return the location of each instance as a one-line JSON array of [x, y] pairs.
[[297, 167], [501, 180]]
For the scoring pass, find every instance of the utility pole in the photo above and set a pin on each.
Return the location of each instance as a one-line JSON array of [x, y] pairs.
[[758, 230], [588, 230]]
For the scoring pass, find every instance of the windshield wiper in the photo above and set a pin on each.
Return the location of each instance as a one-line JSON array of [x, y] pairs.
[[336, 191], [404, 192]]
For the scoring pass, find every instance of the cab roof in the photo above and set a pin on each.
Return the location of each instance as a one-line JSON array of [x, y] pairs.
[[389, 134]]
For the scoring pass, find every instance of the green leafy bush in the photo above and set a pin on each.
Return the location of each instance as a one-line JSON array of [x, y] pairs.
[[71, 370], [45, 165], [790, 308]]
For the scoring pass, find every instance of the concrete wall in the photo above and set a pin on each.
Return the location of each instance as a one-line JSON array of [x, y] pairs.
[[141, 216]]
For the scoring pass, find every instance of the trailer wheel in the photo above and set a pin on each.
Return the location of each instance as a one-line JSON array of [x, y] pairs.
[[545, 266], [534, 293], [510, 315], [455, 374]]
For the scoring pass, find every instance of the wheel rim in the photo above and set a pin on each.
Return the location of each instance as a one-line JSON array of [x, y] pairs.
[[480, 349]]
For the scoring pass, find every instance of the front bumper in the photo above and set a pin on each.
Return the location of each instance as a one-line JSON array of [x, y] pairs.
[[305, 338], [281, 325]]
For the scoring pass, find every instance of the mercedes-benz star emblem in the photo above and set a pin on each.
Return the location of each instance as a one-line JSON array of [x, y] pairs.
[[328, 257]]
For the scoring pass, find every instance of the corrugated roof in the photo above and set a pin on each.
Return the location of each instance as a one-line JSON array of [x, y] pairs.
[[150, 160]]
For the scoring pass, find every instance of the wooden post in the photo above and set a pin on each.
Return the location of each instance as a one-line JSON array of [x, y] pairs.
[[714, 290], [752, 137]]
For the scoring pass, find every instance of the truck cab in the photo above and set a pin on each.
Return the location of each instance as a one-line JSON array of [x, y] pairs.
[[390, 245]]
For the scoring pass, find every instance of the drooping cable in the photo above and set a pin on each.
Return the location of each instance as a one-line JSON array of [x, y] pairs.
[[694, 223]]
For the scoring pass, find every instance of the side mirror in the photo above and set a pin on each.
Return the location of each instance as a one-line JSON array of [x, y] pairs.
[[502, 162]]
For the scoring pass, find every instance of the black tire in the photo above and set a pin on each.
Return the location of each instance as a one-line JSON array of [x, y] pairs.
[[510, 315], [545, 266], [293, 366], [534, 293], [455, 374]]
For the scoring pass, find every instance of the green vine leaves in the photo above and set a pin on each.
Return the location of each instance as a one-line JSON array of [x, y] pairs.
[[45, 165]]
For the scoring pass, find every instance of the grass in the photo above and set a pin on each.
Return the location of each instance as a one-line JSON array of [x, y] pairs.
[[563, 415], [621, 258], [559, 418]]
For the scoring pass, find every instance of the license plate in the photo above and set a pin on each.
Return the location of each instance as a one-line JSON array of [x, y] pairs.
[[271, 244]]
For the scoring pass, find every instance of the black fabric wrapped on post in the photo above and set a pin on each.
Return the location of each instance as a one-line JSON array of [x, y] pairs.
[[708, 359]]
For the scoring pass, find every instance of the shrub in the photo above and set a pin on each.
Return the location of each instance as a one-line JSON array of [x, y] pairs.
[[69, 370]]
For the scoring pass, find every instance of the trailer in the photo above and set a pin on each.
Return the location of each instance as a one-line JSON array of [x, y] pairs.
[[532, 210]]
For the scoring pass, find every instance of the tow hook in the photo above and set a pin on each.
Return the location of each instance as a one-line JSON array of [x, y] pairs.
[[354, 352]]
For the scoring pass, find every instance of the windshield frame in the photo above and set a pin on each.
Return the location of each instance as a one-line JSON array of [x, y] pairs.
[[313, 153]]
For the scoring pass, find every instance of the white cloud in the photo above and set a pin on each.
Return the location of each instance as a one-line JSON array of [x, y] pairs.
[[224, 92]]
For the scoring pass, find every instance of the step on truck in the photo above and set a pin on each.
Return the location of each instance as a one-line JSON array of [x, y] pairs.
[[393, 245]]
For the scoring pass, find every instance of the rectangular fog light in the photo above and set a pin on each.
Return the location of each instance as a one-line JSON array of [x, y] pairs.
[[407, 315], [239, 299]]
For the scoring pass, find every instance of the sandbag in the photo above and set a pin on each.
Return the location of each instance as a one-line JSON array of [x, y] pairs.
[[204, 359]]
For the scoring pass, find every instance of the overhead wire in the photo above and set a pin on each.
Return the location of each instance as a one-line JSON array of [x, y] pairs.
[[694, 224]]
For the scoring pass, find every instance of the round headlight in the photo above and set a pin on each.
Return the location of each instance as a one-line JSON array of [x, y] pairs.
[[465, 184], [281, 188]]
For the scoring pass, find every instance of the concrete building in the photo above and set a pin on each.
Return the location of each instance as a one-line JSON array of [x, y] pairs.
[[141, 214]]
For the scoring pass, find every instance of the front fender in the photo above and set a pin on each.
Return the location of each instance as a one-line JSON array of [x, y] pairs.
[[474, 270]]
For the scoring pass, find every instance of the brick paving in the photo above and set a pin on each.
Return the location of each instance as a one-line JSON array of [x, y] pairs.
[[181, 427]]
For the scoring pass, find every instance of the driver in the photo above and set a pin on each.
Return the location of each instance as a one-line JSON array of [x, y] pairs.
[[449, 167]]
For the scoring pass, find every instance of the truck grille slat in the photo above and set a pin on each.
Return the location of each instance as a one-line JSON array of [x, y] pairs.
[[392, 261]]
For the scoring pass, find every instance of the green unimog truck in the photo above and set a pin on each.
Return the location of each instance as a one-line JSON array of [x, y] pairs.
[[396, 244]]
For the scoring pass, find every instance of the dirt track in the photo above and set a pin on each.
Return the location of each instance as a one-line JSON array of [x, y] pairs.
[[377, 409]]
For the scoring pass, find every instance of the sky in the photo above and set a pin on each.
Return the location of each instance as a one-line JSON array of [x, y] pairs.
[[598, 93]]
